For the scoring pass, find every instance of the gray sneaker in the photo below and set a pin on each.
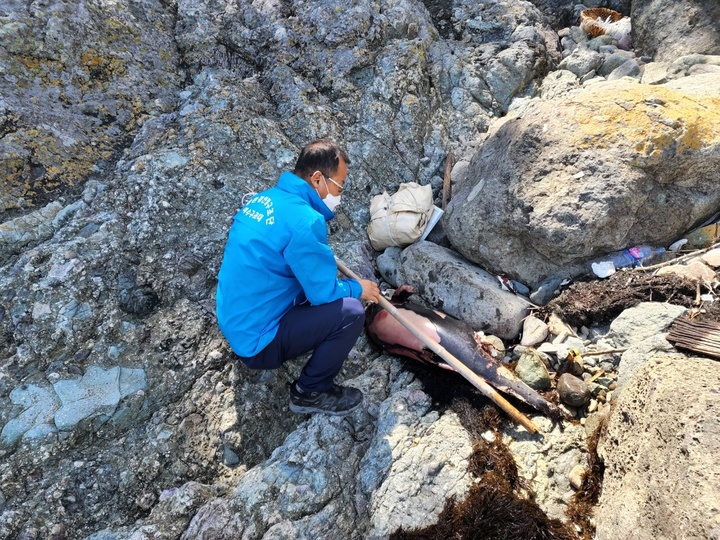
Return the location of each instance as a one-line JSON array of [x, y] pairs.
[[338, 401]]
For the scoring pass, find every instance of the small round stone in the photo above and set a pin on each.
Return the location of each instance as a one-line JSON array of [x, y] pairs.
[[573, 391]]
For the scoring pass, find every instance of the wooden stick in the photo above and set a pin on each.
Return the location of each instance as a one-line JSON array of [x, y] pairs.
[[446, 179], [474, 379], [598, 353], [679, 260]]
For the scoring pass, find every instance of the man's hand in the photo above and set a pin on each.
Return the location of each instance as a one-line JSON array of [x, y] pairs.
[[370, 291]]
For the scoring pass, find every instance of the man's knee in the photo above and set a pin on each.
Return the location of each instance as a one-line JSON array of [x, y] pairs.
[[353, 311]]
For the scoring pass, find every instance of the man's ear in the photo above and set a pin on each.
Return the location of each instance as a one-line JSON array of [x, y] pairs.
[[316, 178]]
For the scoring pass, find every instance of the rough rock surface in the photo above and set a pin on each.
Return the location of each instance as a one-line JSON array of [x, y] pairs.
[[662, 454], [665, 29], [546, 462], [78, 79], [129, 134], [453, 285], [625, 164], [643, 321]]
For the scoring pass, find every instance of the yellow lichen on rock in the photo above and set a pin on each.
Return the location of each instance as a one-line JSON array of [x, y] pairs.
[[35, 178], [101, 69], [653, 121]]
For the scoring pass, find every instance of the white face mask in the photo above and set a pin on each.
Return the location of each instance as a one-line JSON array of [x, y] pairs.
[[330, 200]]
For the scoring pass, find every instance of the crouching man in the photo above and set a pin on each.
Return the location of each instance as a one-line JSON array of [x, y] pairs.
[[278, 293]]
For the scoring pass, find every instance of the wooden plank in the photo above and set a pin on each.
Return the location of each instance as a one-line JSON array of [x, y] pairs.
[[710, 352], [697, 345], [710, 325], [698, 341], [697, 336], [680, 336]]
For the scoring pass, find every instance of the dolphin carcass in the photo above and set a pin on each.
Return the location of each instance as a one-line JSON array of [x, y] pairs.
[[458, 338]]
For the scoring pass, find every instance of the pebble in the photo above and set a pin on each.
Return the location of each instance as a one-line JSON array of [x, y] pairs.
[[607, 366], [593, 421], [532, 371], [576, 476], [534, 331], [545, 291], [230, 458], [489, 436], [558, 328], [520, 288], [495, 343], [712, 257], [58, 532], [621, 61], [548, 348], [572, 390]]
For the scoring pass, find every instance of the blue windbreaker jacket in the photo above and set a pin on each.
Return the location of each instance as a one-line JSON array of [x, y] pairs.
[[276, 256]]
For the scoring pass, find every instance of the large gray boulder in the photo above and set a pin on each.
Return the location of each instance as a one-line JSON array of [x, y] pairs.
[[453, 285], [666, 29], [701, 66], [662, 454], [645, 320], [624, 164]]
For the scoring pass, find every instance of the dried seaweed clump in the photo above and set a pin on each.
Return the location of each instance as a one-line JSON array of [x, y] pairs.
[[601, 301], [582, 504], [498, 506]]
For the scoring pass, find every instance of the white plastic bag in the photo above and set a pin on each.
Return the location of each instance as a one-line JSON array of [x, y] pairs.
[[400, 219]]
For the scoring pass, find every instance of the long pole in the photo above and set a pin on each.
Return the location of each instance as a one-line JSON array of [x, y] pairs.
[[474, 379]]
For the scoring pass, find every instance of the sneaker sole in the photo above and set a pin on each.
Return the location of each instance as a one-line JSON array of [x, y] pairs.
[[308, 410]]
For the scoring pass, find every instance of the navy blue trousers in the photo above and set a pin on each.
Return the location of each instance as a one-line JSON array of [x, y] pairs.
[[329, 330]]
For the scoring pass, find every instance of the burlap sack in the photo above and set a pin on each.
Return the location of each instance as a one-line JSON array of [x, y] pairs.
[[400, 219]]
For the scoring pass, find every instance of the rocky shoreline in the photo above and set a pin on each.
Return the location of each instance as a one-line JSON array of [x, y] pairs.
[[129, 134]]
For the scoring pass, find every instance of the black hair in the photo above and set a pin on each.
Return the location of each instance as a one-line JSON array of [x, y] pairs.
[[321, 155]]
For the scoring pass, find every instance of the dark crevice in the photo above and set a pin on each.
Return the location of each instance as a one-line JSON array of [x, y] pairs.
[[441, 15]]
